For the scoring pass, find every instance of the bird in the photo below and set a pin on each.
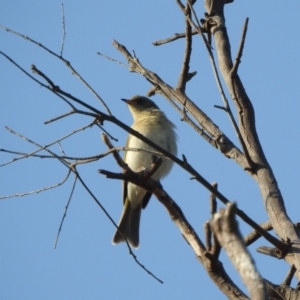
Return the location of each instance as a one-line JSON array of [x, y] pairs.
[[152, 123]]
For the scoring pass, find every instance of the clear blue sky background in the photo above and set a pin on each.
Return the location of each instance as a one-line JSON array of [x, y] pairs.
[[85, 265]]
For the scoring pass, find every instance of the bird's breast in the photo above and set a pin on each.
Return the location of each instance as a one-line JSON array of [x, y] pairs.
[[163, 136]]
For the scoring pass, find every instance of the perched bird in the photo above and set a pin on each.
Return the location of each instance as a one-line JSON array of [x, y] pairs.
[[151, 122]]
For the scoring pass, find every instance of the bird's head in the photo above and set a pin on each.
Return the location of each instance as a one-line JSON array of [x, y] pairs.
[[139, 105]]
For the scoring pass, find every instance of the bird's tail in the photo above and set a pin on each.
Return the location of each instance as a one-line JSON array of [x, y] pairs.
[[129, 225]]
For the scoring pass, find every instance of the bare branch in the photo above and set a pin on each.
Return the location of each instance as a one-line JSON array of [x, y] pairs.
[[289, 277], [226, 229], [25, 155], [270, 251], [35, 80], [208, 235], [64, 30], [112, 59], [184, 73], [281, 292], [235, 67], [39, 190], [175, 37], [262, 171], [254, 235], [67, 63], [213, 200], [65, 212]]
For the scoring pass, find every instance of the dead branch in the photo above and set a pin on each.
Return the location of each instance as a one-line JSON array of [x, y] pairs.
[[279, 292], [67, 63], [65, 213], [63, 29], [262, 171], [226, 229], [254, 235], [184, 73], [289, 277], [175, 37]]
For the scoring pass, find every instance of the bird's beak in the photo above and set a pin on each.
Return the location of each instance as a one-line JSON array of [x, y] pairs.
[[125, 100]]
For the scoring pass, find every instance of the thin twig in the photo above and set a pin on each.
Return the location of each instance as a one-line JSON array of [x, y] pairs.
[[25, 155], [175, 37], [67, 63], [64, 30], [63, 152], [254, 235], [62, 160], [105, 131], [29, 75], [59, 91], [78, 160], [237, 62], [39, 190], [65, 212], [183, 76], [198, 28], [220, 107], [289, 276], [112, 59], [74, 111]]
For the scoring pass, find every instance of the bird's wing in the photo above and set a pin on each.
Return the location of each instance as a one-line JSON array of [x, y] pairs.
[[124, 189], [146, 200]]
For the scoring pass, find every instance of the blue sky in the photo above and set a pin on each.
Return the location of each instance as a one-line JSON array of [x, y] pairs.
[[85, 265]]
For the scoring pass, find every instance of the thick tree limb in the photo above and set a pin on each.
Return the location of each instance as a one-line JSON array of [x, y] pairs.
[[281, 292], [263, 173], [226, 229]]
